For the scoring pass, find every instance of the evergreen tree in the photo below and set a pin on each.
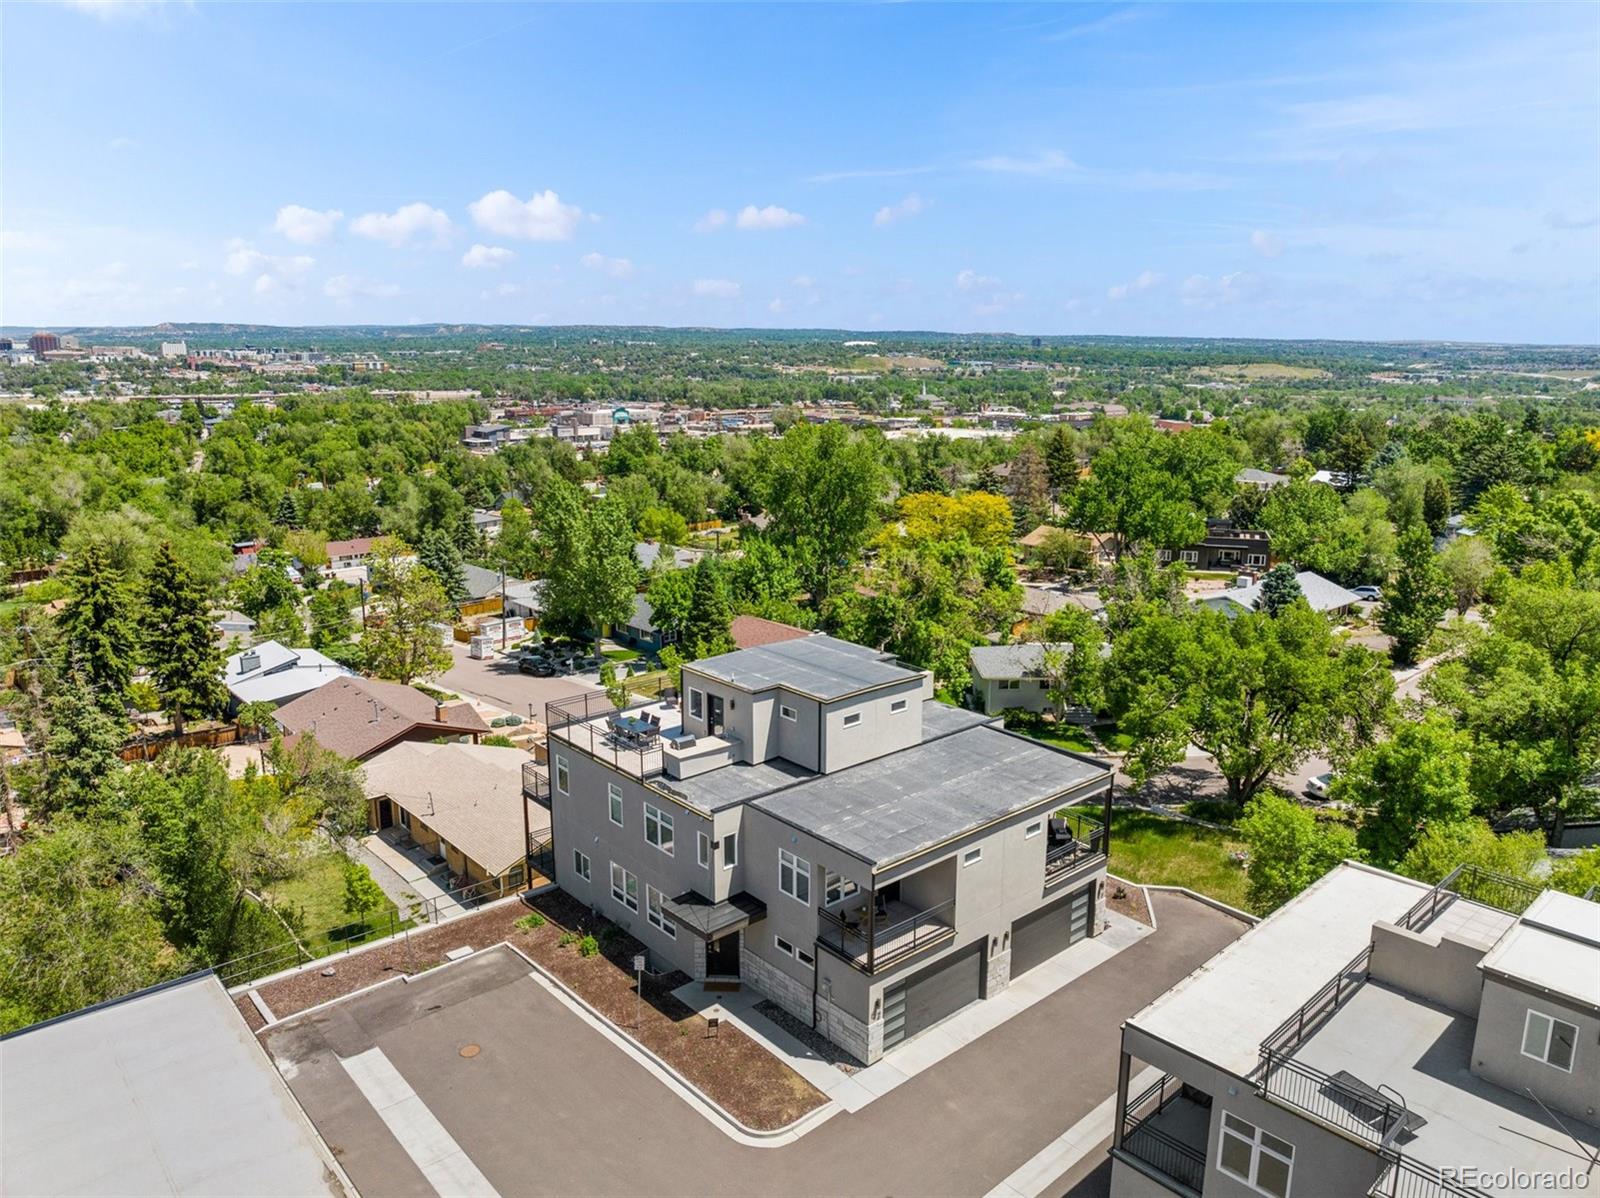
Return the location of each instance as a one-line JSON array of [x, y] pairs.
[[80, 752], [1436, 505], [183, 657], [1279, 589], [1030, 488], [1419, 595], [288, 515], [988, 481], [710, 613], [443, 556], [96, 635], [1061, 459]]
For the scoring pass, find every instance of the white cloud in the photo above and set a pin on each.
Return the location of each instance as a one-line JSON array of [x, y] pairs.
[[1045, 162], [716, 288], [265, 284], [306, 226], [1146, 281], [889, 213], [971, 280], [770, 217], [1268, 245], [343, 287], [803, 281], [617, 268], [481, 256], [405, 226], [117, 10], [1201, 291], [541, 217], [777, 305], [244, 259], [711, 221]]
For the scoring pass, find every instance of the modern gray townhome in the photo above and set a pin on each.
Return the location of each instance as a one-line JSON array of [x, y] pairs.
[[1375, 1036], [811, 823]]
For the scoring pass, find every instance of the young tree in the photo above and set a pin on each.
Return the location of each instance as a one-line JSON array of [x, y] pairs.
[[439, 553], [362, 895], [1416, 598], [1061, 459], [1417, 779], [1467, 564], [1289, 849], [256, 716], [1279, 589], [591, 575], [96, 634], [705, 631], [332, 625], [403, 643], [1257, 693], [1077, 679], [179, 649], [662, 524], [822, 488]]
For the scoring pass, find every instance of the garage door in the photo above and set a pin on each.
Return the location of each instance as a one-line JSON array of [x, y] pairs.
[[1037, 937], [940, 990]]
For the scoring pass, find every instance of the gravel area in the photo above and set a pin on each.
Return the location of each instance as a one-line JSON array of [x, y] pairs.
[[824, 1048], [247, 1009], [1128, 899]]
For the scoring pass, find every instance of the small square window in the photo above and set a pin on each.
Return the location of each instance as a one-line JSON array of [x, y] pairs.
[[897, 706], [851, 720], [1033, 830], [1551, 1040], [971, 857], [787, 712], [783, 946]]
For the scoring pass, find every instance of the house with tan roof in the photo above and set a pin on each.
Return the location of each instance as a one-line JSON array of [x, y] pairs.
[[357, 717], [751, 632]]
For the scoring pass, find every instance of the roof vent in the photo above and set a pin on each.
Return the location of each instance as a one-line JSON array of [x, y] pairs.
[[249, 662]]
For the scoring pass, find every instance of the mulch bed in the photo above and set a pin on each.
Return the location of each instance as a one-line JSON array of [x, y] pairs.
[[733, 1070], [1125, 898]]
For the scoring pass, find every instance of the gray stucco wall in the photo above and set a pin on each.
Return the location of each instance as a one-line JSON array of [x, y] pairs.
[[1497, 1050], [1444, 971], [1031, 695], [881, 730]]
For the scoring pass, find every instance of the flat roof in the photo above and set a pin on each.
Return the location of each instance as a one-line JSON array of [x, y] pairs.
[[822, 667], [1555, 946], [1222, 1011], [967, 772], [163, 1092]]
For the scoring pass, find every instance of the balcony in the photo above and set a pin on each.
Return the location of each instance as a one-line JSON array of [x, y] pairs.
[[630, 741], [873, 940], [1075, 837], [1164, 1134], [536, 782]]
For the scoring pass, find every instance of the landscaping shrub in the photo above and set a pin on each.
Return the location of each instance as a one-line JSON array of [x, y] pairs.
[[566, 939], [588, 946], [530, 921]]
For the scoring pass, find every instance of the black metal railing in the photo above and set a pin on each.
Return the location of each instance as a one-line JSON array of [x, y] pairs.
[[1361, 1111], [541, 854], [1475, 883], [872, 948], [536, 782], [1400, 1177], [1086, 837], [1184, 1163], [1316, 1010], [585, 722]]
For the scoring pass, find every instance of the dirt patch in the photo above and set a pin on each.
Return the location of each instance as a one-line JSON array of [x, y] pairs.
[[824, 1048], [1125, 898], [729, 1067], [252, 1017]]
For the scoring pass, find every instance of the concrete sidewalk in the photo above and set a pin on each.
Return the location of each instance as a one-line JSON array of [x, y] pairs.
[[406, 881]]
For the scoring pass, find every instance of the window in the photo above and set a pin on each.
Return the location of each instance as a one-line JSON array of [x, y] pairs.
[[790, 950], [1257, 1158], [658, 828], [1010, 684], [702, 850], [624, 887], [561, 773], [971, 857], [1229, 556], [794, 876], [1033, 830], [580, 864], [1549, 1040], [1191, 556], [614, 802], [653, 912], [1256, 559], [1164, 555], [836, 889], [405, 819], [897, 707], [730, 850], [787, 712], [851, 720], [697, 703]]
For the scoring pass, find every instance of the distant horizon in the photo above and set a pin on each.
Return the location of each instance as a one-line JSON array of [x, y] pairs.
[[1317, 171]]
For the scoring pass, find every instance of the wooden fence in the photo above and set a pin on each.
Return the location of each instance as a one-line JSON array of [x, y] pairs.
[[210, 737]]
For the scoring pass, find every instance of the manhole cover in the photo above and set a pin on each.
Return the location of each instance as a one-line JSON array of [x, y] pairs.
[[470, 1050]]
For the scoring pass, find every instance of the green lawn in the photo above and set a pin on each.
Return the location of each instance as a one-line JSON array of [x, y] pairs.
[[621, 654], [318, 890], [1115, 739], [1153, 849], [1065, 736]]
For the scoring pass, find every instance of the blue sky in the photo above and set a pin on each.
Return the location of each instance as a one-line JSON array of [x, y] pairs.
[[1338, 171]]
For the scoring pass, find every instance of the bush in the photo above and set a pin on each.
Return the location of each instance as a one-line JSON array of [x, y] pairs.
[[513, 721], [530, 921], [499, 740], [588, 946], [566, 939]]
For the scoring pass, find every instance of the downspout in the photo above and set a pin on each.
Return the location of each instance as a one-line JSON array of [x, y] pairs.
[[814, 972]]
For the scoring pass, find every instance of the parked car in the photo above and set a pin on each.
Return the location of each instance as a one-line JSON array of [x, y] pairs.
[[1319, 786], [537, 666], [1370, 594]]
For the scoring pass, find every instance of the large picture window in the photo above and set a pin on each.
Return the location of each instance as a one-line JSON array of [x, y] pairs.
[[624, 887], [1551, 1040], [658, 828], [794, 876], [1256, 1157]]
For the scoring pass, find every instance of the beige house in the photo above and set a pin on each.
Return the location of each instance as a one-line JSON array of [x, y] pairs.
[[462, 802]]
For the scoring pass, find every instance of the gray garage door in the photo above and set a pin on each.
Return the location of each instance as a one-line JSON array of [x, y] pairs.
[[925, 998], [1037, 937]]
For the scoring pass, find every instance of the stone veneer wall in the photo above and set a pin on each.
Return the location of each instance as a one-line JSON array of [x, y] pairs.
[[833, 1021], [998, 976], [699, 964]]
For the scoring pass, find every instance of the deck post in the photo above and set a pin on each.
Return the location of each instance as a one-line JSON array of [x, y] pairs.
[[872, 923], [1122, 1102]]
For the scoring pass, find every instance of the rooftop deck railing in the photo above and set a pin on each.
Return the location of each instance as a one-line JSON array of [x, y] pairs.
[[583, 721], [1475, 883], [872, 949], [1182, 1162], [1316, 1010], [536, 782], [1401, 1177], [1088, 839]]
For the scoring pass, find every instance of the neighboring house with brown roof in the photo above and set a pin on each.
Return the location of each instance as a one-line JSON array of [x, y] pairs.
[[462, 802], [748, 632], [357, 717]]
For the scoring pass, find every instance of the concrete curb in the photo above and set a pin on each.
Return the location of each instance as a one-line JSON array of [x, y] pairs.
[[1143, 889], [729, 1124], [1207, 900], [395, 980]]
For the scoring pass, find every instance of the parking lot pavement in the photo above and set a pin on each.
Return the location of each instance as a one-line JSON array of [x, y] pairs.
[[550, 1106], [496, 680]]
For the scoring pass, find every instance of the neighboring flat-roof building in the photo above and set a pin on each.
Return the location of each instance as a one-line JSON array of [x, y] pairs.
[[1224, 548], [164, 1092], [356, 717], [276, 674], [811, 823], [1373, 1036]]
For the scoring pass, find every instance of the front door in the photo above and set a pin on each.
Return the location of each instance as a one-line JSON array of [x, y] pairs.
[[722, 957], [385, 814], [714, 715]]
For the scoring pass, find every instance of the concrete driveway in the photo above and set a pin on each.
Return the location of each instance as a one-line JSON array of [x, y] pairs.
[[497, 681], [549, 1106]]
